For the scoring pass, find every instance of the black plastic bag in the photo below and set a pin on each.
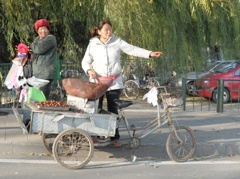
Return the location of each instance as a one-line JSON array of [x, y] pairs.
[[27, 69]]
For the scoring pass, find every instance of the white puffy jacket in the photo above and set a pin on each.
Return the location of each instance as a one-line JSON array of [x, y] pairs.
[[105, 58]]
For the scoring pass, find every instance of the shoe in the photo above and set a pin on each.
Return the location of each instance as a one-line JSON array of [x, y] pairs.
[[116, 143], [95, 139]]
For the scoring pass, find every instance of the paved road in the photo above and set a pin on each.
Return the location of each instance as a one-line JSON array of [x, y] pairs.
[[217, 134]]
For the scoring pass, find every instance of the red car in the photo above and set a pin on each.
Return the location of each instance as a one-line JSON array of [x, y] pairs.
[[207, 85]]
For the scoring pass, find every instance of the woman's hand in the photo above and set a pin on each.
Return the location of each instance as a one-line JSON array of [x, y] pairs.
[[92, 74], [155, 54]]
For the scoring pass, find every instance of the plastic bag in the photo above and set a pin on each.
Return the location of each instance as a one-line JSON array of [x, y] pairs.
[[37, 82], [152, 96], [83, 89]]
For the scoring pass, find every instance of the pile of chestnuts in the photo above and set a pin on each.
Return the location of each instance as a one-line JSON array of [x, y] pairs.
[[52, 103]]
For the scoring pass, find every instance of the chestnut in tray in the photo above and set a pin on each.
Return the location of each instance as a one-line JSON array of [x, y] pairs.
[[52, 103]]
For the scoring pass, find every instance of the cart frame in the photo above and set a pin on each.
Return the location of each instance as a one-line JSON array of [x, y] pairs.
[[71, 133]]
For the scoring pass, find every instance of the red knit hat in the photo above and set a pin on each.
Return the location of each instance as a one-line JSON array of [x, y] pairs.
[[40, 23]]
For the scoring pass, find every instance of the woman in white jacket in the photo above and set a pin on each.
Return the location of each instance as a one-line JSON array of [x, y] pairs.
[[102, 58]]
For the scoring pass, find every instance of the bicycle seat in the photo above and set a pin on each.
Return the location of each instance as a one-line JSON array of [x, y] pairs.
[[123, 103]]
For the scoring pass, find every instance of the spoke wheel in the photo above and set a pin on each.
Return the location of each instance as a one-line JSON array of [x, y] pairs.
[[134, 142], [47, 140], [181, 150], [152, 82], [73, 148], [155, 83], [131, 89]]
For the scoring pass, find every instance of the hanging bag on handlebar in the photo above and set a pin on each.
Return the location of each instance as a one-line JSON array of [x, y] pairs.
[[27, 69]]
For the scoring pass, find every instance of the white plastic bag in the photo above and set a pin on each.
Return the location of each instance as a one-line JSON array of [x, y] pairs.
[[37, 82], [152, 96]]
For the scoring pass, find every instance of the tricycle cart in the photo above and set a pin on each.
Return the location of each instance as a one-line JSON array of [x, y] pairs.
[[71, 132], [73, 146]]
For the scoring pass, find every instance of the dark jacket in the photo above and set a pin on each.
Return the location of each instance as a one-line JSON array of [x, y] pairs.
[[44, 57]]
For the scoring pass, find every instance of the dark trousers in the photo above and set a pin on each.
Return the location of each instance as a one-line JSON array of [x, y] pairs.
[[111, 105], [46, 89], [111, 96]]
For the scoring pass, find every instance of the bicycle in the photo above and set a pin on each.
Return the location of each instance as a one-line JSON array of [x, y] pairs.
[[180, 143], [132, 87]]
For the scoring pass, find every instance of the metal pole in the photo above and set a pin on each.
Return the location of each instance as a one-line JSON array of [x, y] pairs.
[[220, 96], [184, 90]]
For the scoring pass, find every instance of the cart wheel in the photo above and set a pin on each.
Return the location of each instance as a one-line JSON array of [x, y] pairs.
[[47, 140], [181, 144], [134, 142], [73, 148]]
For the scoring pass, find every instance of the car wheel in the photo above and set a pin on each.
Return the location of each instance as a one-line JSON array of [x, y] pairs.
[[226, 96], [191, 89]]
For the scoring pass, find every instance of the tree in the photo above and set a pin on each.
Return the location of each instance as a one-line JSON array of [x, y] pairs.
[[181, 29]]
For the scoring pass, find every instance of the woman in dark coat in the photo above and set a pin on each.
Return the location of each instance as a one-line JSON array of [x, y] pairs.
[[44, 56]]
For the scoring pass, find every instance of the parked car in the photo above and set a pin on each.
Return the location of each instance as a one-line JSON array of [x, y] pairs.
[[206, 85], [192, 76]]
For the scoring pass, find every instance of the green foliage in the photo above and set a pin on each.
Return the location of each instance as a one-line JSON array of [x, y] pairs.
[[70, 21], [181, 29]]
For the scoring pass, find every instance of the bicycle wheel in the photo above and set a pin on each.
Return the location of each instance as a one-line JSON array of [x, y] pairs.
[[155, 83], [47, 140], [181, 144], [73, 148], [152, 82], [131, 89]]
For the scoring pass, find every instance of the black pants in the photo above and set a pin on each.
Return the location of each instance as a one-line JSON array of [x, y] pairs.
[[111, 105]]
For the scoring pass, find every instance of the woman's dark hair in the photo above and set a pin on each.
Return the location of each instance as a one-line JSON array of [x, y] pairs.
[[94, 31]]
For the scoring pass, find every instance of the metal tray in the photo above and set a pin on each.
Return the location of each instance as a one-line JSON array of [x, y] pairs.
[[53, 108]]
